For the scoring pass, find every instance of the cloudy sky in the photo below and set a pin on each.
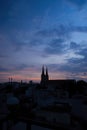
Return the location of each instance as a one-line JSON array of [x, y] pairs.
[[43, 32]]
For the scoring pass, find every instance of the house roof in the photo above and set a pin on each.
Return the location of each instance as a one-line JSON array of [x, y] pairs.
[[61, 81]]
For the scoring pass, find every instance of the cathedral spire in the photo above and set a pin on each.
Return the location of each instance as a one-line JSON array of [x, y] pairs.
[[47, 77], [43, 70], [44, 76], [46, 71]]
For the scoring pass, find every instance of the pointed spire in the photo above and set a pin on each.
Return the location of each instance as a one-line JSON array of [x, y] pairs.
[[46, 71], [43, 70], [47, 76]]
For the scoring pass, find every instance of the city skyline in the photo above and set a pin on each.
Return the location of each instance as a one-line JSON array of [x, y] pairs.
[[34, 33]]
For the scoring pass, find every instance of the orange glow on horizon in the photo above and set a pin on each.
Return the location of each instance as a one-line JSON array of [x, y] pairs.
[[36, 76]]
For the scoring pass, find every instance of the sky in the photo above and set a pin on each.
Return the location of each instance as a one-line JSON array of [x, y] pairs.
[[34, 33]]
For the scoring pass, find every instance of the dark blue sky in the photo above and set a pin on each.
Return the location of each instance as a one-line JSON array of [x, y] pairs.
[[37, 32]]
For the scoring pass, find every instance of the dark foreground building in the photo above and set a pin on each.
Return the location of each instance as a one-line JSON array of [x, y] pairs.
[[64, 84]]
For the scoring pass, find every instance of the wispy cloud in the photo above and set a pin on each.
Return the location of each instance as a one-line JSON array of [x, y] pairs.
[[48, 32], [56, 46], [78, 3]]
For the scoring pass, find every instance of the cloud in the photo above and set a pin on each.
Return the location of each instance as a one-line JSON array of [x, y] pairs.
[[78, 3], [65, 72], [83, 52], [17, 40], [79, 28], [3, 56], [60, 31], [76, 57], [2, 69], [56, 46], [74, 45], [24, 67], [77, 64], [20, 67]]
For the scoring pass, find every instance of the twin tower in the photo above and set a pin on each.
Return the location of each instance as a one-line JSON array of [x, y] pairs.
[[44, 76]]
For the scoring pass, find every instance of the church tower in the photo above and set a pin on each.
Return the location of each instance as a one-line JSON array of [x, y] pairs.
[[44, 77], [47, 76]]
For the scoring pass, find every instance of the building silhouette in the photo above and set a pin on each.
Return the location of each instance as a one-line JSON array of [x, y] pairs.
[[44, 76], [65, 84]]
